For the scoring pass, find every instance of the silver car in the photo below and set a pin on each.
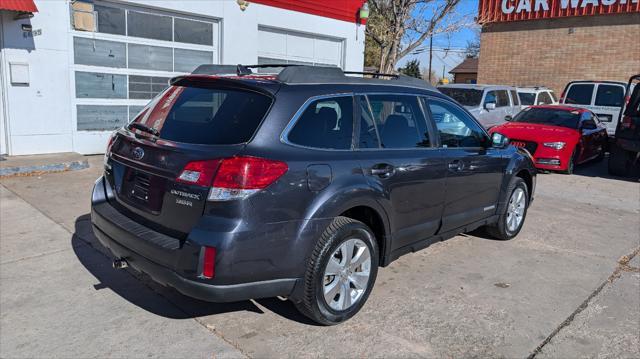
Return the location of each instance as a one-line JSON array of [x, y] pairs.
[[491, 105]]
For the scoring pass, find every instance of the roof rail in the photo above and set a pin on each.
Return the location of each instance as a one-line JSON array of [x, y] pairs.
[[306, 74]]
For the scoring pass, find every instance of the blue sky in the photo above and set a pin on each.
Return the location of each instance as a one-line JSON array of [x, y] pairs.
[[454, 41]]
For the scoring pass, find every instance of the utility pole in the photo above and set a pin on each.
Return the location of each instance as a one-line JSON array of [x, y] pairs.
[[430, 53]]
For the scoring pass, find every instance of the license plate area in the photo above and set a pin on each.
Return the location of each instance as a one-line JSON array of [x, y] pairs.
[[143, 190]]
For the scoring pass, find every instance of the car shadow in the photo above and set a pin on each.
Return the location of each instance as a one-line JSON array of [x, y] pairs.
[[600, 169], [140, 290]]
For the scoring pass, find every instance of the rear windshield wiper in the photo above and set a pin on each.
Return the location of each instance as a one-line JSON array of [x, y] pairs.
[[145, 128]]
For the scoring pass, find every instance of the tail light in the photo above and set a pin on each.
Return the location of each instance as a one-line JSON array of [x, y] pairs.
[[233, 178], [562, 97], [199, 173], [627, 122]]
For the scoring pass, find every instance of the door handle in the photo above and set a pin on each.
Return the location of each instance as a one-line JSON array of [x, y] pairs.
[[383, 170], [455, 165]]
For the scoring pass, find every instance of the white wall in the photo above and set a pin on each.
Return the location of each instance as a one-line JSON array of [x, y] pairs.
[[40, 116]]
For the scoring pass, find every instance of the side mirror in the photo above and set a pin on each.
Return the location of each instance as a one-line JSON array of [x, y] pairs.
[[499, 140], [490, 106]]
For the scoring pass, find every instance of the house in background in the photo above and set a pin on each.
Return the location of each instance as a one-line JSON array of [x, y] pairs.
[[73, 71], [466, 72]]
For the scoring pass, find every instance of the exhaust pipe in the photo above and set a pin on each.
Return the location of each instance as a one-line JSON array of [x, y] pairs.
[[120, 263]]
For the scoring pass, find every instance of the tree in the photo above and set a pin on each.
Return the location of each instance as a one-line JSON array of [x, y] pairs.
[[395, 28], [435, 78], [473, 46], [412, 68]]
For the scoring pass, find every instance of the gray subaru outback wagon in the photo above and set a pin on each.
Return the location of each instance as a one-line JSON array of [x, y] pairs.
[[234, 184]]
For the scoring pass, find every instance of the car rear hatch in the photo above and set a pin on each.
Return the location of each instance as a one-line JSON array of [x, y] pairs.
[[161, 166]]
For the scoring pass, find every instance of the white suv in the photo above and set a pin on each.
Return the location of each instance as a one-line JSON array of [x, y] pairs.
[[491, 105], [604, 98], [530, 96]]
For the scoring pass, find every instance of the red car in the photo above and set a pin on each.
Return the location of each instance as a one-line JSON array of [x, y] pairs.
[[558, 137]]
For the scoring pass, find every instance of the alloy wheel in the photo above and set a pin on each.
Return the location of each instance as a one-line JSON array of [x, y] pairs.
[[346, 274], [515, 209]]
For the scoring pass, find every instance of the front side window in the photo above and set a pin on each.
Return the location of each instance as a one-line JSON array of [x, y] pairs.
[[579, 94], [326, 123], [490, 97], [455, 127], [502, 98], [399, 121], [610, 95]]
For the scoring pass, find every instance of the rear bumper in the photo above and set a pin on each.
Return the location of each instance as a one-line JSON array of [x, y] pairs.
[[242, 272], [191, 288]]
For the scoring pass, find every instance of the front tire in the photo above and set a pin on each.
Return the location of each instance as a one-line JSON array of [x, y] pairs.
[[513, 212], [340, 272], [572, 162]]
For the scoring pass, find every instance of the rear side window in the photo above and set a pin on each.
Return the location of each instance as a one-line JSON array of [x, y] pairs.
[[325, 123], [399, 121], [579, 94], [514, 97], [610, 95], [502, 98], [207, 116], [544, 98], [527, 98]]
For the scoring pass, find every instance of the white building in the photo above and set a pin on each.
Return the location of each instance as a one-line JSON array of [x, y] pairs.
[[75, 71]]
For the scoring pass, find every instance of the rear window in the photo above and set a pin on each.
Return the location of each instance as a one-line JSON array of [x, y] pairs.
[[526, 98], [549, 116], [466, 97], [610, 95], [579, 94], [208, 116]]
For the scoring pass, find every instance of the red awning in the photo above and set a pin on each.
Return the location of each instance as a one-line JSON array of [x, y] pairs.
[[18, 5]]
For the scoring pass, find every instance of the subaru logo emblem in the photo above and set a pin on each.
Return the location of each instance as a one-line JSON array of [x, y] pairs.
[[137, 153]]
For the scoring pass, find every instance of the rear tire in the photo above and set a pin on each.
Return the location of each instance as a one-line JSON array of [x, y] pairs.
[[335, 287], [619, 164], [513, 211]]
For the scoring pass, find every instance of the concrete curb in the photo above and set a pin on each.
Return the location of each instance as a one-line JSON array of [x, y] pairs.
[[44, 168]]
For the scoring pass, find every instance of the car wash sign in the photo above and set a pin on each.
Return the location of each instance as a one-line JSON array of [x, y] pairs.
[[514, 10]]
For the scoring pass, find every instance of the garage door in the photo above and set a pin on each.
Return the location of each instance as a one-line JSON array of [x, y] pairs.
[[280, 46], [126, 60]]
